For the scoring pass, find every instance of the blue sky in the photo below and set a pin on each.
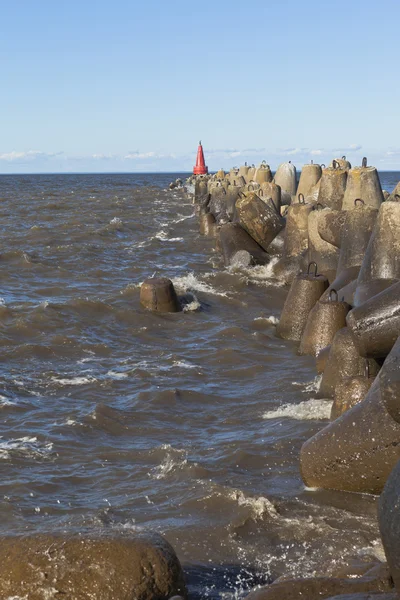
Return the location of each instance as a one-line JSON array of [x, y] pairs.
[[97, 86]]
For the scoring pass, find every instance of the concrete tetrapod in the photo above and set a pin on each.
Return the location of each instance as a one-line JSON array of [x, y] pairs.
[[382, 256], [357, 451], [309, 177], [355, 235], [321, 588], [375, 325], [343, 361], [342, 162], [285, 176], [207, 224], [158, 293], [389, 523], [312, 196], [232, 194], [79, 567], [259, 219], [395, 195], [326, 255], [349, 392], [217, 205], [363, 182], [263, 173], [243, 170], [201, 195], [390, 382], [271, 191], [322, 358], [330, 225], [251, 173], [239, 248], [296, 231], [305, 291], [332, 187], [324, 320]]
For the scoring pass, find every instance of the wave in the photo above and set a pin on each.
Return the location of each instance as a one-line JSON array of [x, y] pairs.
[[25, 447], [308, 410], [271, 319], [190, 282], [73, 380], [309, 386], [163, 237]]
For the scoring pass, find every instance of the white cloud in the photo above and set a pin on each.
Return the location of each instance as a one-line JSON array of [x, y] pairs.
[[351, 148], [104, 156], [143, 155], [393, 152], [316, 152], [29, 155]]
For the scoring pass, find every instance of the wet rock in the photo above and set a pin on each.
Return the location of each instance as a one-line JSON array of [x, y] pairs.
[[349, 391], [158, 294], [319, 588], [389, 523], [322, 358], [239, 248], [357, 451], [144, 567]]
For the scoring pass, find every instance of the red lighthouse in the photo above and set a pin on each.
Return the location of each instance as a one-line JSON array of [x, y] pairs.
[[200, 168]]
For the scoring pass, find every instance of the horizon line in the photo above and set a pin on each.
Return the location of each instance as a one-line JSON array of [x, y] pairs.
[[142, 172]]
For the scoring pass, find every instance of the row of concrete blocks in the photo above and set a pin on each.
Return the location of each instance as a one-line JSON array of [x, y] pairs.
[[348, 316]]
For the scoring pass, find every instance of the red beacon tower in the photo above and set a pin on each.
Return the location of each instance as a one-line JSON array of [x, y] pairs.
[[200, 168]]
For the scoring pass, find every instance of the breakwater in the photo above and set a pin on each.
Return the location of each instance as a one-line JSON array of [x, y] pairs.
[[116, 419], [334, 237]]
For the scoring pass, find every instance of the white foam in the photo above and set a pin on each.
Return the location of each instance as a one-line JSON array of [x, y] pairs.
[[189, 282], [271, 319], [192, 306], [117, 375], [116, 221], [74, 380], [182, 218], [28, 446], [4, 401], [309, 386], [308, 410], [174, 459], [184, 365], [163, 237], [259, 505]]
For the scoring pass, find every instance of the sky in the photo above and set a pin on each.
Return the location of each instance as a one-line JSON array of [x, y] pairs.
[[128, 86]]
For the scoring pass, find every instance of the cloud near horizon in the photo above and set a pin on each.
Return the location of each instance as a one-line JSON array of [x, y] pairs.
[[153, 160]]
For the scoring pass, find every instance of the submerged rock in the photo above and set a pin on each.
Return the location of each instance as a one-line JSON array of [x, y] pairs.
[[77, 567]]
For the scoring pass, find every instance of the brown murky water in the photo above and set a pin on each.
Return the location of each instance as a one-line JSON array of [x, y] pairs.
[[189, 424]]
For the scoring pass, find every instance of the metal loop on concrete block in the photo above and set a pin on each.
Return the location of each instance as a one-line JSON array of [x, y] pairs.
[[315, 268]]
